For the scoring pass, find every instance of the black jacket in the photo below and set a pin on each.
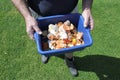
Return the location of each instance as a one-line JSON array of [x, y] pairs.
[[52, 7]]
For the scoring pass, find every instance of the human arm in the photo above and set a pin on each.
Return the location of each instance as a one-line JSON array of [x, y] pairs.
[[31, 23], [86, 13]]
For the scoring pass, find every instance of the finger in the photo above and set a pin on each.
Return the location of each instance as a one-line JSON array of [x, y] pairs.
[[31, 34], [37, 29], [91, 24]]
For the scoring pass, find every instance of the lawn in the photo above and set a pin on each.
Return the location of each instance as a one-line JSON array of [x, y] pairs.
[[19, 59]]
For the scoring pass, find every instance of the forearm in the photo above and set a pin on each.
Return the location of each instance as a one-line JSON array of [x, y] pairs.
[[22, 6], [86, 13], [86, 4]]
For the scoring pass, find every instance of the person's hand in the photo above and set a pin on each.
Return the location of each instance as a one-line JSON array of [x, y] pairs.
[[31, 27], [88, 19]]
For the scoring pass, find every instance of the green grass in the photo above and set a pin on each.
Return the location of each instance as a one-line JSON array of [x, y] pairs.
[[19, 59]]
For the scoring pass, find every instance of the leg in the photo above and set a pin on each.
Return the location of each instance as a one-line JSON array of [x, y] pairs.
[[69, 55], [44, 58], [75, 10], [69, 60], [34, 14]]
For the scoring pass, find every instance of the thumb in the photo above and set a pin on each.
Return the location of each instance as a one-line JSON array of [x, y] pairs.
[[86, 21], [37, 29]]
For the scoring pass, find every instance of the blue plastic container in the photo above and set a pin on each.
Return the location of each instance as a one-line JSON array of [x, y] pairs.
[[74, 18]]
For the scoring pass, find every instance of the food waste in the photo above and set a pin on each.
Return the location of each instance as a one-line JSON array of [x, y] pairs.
[[63, 35]]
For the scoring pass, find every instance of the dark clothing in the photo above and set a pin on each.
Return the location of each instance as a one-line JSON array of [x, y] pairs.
[[52, 7]]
